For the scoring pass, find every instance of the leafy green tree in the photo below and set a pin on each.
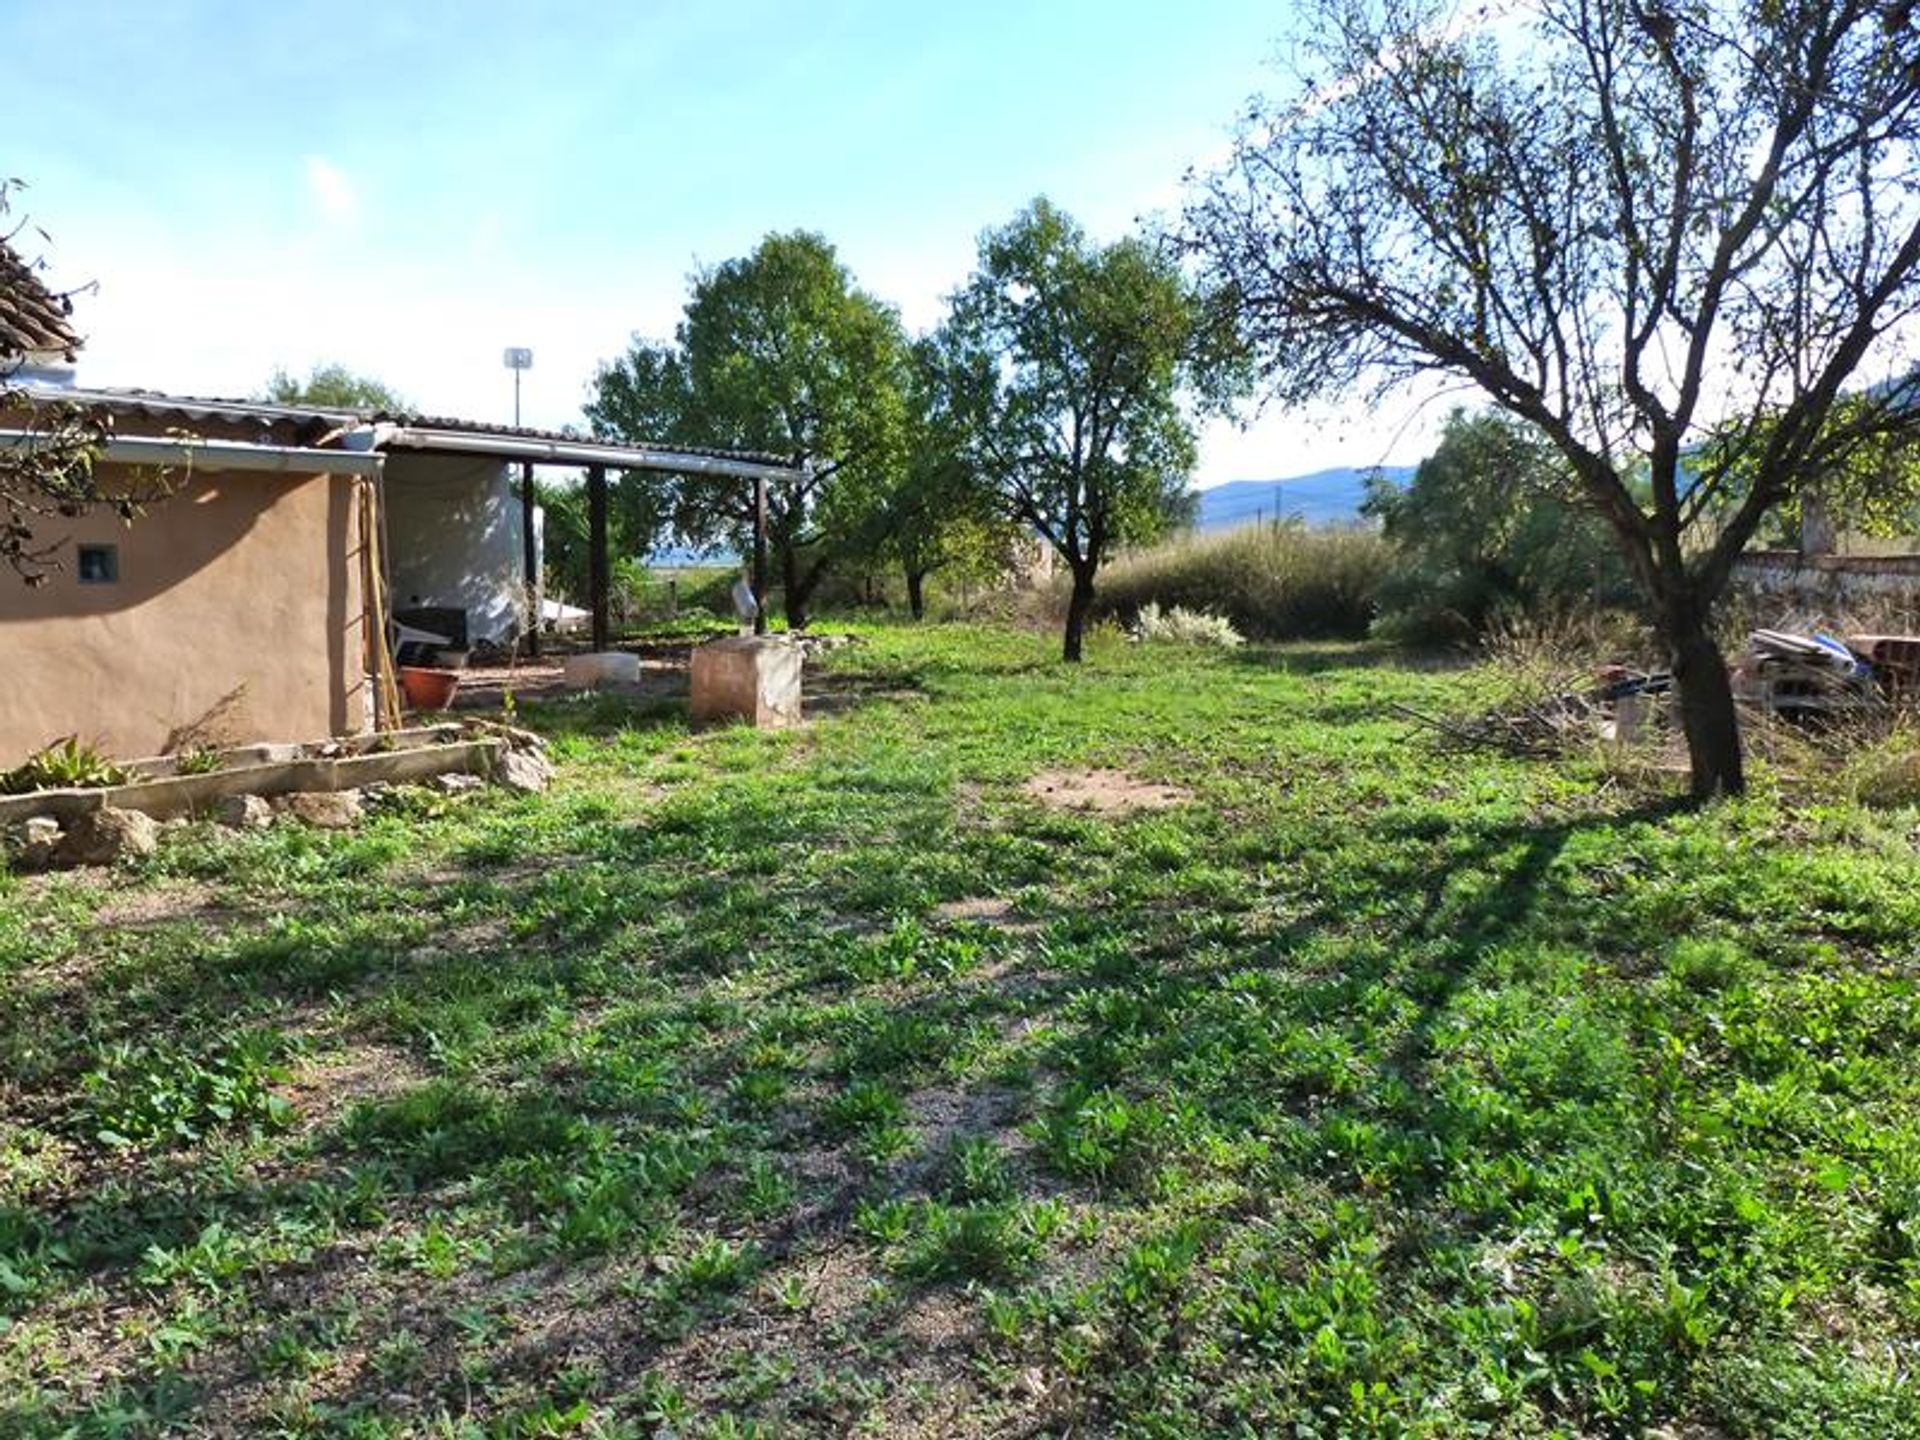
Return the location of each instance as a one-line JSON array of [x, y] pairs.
[[930, 514], [333, 386], [1636, 226], [635, 517], [1063, 364], [1487, 526], [1873, 489], [778, 352]]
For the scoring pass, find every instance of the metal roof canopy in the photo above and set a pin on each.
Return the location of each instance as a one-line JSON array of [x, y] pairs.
[[535, 449], [215, 456], [359, 429]]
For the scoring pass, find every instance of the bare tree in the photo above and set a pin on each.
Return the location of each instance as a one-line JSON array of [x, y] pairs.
[[1670, 238]]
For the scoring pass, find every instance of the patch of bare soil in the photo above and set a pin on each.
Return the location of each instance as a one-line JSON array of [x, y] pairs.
[[1103, 792], [322, 1090], [148, 905], [986, 910], [945, 1115], [663, 673]]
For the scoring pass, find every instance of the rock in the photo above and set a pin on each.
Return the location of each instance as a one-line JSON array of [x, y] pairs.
[[457, 782], [327, 809], [34, 842], [527, 771], [244, 812], [103, 836], [824, 643], [377, 797]]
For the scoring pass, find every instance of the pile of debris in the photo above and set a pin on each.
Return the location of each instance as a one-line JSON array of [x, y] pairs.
[[1806, 676], [1802, 678], [1535, 731]]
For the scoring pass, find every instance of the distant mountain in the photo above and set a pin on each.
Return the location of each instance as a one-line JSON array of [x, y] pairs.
[[1326, 497], [682, 557]]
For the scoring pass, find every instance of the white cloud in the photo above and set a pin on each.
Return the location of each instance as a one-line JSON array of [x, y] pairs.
[[332, 192]]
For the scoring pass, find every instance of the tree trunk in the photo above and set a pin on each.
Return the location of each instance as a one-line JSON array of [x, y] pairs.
[[916, 594], [1706, 702], [1079, 607], [799, 582]]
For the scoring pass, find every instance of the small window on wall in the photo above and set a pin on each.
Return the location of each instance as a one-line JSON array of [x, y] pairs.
[[98, 564]]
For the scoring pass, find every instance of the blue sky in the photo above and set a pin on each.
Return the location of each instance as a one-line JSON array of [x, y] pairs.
[[409, 187]]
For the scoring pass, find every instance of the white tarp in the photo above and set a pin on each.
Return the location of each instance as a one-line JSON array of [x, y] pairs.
[[454, 539]]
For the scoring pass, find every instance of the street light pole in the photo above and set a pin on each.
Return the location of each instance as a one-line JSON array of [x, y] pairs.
[[518, 358]]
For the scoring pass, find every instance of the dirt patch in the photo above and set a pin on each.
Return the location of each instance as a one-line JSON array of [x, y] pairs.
[[1104, 792], [944, 1116], [322, 1090], [986, 910], [157, 904]]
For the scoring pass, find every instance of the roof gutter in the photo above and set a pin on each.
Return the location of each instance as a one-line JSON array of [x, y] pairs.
[[584, 452], [210, 456]]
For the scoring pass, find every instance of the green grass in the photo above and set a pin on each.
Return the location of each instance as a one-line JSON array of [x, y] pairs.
[[1372, 1092]]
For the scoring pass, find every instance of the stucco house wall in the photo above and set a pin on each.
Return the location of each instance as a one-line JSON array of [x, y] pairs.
[[238, 597]]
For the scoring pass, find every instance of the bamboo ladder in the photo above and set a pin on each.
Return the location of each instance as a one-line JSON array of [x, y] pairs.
[[373, 579]]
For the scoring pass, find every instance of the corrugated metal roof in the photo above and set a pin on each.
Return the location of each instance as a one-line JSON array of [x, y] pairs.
[[33, 320], [309, 424], [571, 437]]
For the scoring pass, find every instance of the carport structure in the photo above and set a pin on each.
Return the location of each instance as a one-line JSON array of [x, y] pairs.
[[414, 435]]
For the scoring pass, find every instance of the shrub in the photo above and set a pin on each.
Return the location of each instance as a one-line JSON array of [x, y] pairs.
[[1882, 771], [1186, 627], [1487, 529], [1269, 583]]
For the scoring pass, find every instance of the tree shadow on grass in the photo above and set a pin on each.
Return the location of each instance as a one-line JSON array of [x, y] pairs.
[[1136, 1011], [1326, 657]]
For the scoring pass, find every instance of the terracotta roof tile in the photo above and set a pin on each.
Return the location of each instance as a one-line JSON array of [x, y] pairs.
[[33, 320]]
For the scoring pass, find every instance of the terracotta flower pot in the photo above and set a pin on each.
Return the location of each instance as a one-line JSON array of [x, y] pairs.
[[427, 688]]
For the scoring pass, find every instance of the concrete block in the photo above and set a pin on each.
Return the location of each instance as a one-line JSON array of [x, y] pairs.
[[601, 668], [755, 678]]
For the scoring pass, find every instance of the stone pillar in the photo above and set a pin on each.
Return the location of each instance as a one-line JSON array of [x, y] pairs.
[[755, 678]]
